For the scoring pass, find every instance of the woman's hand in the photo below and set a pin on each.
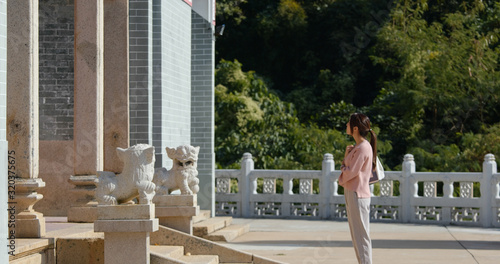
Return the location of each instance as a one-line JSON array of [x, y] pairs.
[[348, 149]]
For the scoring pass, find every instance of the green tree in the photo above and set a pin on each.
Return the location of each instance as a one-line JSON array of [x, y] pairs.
[[250, 118], [441, 76], [425, 71], [313, 48], [230, 10]]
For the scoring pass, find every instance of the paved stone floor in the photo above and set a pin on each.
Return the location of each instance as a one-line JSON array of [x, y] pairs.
[[314, 241]]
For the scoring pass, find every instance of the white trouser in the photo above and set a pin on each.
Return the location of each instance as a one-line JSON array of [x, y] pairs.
[[358, 216]]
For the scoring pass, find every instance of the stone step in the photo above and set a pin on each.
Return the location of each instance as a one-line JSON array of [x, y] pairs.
[[200, 259], [202, 216], [79, 248], [211, 225], [175, 255], [228, 233], [167, 251], [200, 246]]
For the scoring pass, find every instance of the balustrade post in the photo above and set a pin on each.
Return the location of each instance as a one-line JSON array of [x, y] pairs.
[[247, 166], [486, 211], [447, 194], [286, 204], [405, 189], [327, 167]]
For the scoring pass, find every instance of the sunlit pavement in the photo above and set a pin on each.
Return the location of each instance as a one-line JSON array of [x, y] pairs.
[[320, 241], [315, 241]]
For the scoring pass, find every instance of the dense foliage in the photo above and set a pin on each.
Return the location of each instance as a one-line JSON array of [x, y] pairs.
[[425, 71], [249, 118]]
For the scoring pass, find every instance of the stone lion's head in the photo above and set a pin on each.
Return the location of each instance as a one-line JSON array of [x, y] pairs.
[[184, 157], [141, 157]]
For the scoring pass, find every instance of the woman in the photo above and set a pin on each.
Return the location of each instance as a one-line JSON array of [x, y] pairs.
[[357, 167]]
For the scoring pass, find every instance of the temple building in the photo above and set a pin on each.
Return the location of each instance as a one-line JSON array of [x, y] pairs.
[[80, 78]]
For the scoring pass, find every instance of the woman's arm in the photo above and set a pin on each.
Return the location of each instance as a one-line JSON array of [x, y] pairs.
[[353, 163]]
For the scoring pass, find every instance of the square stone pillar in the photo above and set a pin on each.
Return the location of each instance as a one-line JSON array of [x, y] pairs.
[[22, 115], [177, 211], [88, 98], [202, 103], [89, 82], [126, 232], [116, 82]]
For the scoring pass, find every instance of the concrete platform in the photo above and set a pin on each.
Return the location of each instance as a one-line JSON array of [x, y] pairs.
[[314, 241]]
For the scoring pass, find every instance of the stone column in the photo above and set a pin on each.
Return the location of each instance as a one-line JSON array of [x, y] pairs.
[[88, 131], [88, 109], [22, 114], [116, 92]]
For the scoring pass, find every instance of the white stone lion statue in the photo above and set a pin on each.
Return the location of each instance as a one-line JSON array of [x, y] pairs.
[[183, 175], [135, 181]]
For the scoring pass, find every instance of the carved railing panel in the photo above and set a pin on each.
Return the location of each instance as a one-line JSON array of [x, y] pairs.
[[305, 209], [269, 185], [340, 211], [427, 213], [226, 208], [386, 188], [466, 189], [267, 209], [384, 212], [223, 185], [306, 186], [430, 189], [465, 214]]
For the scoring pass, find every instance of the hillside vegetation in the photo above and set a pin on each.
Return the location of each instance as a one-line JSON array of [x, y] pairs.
[[290, 72]]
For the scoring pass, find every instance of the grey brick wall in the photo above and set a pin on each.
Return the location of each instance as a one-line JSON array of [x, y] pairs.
[[202, 106], [140, 69], [171, 75], [157, 83], [56, 38], [3, 70]]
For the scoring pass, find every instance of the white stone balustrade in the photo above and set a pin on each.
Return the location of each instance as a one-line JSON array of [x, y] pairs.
[[417, 199]]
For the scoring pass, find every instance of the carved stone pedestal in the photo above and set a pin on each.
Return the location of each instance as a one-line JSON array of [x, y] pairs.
[[126, 232], [28, 223], [177, 211], [85, 208]]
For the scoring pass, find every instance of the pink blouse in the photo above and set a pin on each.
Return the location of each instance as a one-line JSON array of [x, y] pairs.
[[358, 169]]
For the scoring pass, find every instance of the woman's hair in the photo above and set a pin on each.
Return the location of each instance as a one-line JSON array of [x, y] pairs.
[[363, 123]]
